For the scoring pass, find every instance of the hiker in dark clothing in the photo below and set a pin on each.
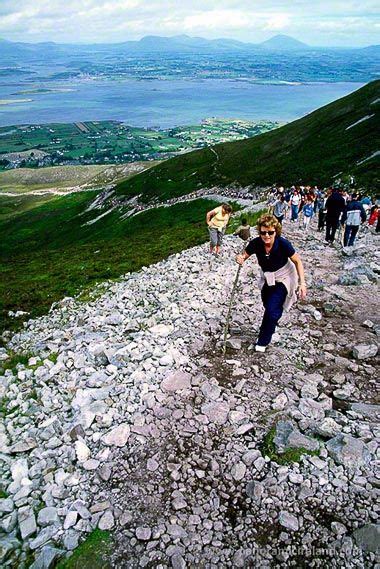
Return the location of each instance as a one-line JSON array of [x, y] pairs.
[[353, 216], [244, 230], [335, 205]]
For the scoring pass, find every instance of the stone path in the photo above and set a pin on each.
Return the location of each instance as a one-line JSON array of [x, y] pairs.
[[129, 419]]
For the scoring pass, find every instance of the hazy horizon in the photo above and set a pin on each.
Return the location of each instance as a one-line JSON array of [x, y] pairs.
[[84, 43], [324, 24]]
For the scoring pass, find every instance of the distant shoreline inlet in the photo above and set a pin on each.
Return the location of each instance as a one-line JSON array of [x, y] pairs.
[[161, 102]]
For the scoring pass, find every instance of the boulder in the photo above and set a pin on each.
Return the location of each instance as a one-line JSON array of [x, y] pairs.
[[47, 558], [328, 428], [364, 351], [176, 381], [118, 436], [216, 412], [287, 436], [348, 451], [368, 411], [47, 516], [7, 546], [26, 522], [368, 537]]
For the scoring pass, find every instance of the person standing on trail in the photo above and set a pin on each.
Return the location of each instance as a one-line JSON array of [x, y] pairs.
[[281, 270], [280, 208], [353, 216], [217, 220], [295, 201], [335, 205], [308, 212]]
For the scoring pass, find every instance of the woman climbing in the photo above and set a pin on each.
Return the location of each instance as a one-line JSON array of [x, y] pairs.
[[281, 272]]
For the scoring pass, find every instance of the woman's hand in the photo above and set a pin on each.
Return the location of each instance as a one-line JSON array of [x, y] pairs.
[[240, 259], [302, 292]]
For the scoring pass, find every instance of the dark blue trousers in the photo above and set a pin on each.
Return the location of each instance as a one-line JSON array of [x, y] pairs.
[[273, 298], [350, 234]]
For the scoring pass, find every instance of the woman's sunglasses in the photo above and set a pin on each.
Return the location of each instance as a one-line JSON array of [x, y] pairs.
[[267, 232]]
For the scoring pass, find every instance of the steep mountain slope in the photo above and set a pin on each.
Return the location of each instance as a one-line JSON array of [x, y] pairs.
[[340, 138]]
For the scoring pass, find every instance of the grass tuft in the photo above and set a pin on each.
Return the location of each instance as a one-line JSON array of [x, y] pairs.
[[291, 455], [91, 554]]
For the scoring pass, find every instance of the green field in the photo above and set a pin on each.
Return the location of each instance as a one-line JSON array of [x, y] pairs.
[[104, 142]]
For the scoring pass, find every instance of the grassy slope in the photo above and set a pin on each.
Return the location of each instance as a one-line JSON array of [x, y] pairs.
[[25, 180], [312, 149], [46, 254]]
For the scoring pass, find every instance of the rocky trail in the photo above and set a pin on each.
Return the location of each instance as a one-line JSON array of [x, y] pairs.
[[127, 418]]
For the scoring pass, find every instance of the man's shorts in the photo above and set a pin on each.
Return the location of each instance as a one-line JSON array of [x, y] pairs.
[[216, 236]]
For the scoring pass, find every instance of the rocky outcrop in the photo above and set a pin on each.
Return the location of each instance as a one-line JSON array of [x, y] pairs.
[[129, 419]]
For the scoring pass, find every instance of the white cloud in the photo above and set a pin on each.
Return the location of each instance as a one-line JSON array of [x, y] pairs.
[[118, 20], [277, 22]]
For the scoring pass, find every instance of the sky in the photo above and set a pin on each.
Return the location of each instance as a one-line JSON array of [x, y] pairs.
[[323, 22]]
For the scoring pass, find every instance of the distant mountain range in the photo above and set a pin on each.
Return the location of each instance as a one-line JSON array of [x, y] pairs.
[[154, 44]]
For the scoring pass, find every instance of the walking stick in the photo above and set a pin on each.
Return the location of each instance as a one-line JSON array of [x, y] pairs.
[[230, 306], [230, 310]]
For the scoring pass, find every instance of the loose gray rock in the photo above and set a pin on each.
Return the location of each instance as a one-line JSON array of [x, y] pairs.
[[349, 452], [176, 381], [118, 436], [288, 437], [143, 533], [288, 521], [70, 520], [217, 412], [238, 471], [152, 464], [107, 521], [47, 558], [366, 410], [7, 546], [364, 351], [368, 537], [26, 522], [328, 428], [6, 505], [233, 343], [47, 516]]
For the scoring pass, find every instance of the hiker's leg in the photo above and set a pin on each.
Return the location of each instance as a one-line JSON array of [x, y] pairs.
[[328, 229], [213, 238], [219, 241], [354, 232], [334, 227], [347, 233], [273, 298]]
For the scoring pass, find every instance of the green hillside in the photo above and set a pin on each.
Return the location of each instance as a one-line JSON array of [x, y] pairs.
[[313, 149], [47, 252]]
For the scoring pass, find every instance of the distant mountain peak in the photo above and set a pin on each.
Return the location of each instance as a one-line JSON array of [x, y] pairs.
[[282, 41]]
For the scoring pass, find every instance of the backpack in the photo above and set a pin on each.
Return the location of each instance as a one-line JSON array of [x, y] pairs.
[[353, 217]]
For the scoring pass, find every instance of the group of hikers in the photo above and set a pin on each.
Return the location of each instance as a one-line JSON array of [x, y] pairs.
[[282, 273], [334, 207]]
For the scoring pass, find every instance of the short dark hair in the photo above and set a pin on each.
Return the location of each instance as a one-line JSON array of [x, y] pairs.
[[227, 207], [244, 221]]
